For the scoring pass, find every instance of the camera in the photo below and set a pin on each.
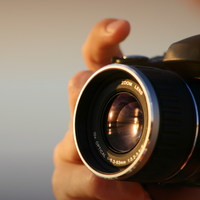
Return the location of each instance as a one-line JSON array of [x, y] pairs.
[[137, 119]]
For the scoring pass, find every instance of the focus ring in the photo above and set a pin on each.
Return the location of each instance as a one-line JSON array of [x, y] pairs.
[[177, 126]]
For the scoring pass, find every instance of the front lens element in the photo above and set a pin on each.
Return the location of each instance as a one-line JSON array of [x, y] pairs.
[[125, 123]]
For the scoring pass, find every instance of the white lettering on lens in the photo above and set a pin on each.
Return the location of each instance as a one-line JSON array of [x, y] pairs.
[[138, 89], [128, 83], [95, 135], [117, 162], [100, 149], [133, 157]]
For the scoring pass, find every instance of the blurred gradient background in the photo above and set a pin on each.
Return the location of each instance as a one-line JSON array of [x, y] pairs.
[[40, 49]]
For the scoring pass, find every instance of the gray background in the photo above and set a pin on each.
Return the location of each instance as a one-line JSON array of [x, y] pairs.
[[40, 49]]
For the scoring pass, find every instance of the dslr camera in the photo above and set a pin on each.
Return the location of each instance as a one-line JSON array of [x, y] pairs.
[[138, 118]]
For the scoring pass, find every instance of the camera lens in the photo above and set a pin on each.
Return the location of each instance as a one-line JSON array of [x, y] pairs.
[[124, 123], [138, 124]]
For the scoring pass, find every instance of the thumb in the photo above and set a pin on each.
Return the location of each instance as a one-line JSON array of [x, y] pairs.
[[103, 42]]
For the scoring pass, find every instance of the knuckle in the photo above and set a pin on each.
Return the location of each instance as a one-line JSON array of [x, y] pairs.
[[59, 191], [97, 187], [54, 183], [74, 81], [85, 49], [77, 82], [56, 154]]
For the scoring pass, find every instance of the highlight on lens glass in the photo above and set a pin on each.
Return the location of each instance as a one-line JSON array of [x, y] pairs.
[[138, 119], [124, 123]]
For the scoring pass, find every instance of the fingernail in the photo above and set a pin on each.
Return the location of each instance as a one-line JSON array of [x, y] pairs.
[[111, 28]]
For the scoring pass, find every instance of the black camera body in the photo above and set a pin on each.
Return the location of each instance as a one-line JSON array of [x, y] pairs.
[[138, 119]]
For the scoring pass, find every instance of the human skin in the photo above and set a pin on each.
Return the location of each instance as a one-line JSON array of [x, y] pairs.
[[71, 179], [197, 2]]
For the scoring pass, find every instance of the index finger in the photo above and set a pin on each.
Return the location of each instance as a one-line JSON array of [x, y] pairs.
[[103, 42]]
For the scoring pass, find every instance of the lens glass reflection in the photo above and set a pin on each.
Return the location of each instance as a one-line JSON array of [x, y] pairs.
[[125, 123]]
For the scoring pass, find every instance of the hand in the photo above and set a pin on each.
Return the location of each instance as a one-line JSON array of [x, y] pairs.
[[71, 179]]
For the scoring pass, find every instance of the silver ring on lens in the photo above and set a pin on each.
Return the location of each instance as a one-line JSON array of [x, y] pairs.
[[143, 154]]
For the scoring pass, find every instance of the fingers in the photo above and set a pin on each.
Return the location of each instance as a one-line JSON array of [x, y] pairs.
[[103, 42], [74, 181], [101, 45], [66, 148], [75, 86], [71, 179]]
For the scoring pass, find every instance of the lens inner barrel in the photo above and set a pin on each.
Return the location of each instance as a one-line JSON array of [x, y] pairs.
[[125, 122]]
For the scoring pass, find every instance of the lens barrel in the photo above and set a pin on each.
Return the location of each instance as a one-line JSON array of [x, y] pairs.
[[137, 123]]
